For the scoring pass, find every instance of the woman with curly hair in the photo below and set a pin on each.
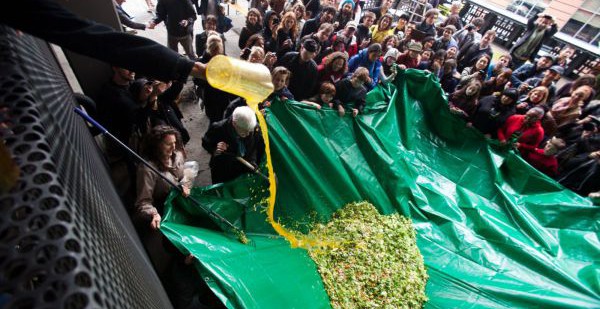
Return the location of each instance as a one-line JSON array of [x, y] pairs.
[[567, 89], [163, 149], [300, 10], [390, 41], [253, 26], [333, 68]]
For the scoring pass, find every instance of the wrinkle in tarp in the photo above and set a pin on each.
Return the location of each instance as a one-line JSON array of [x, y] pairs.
[[494, 232]]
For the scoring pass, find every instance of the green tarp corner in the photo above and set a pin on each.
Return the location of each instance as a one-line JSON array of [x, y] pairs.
[[494, 232]]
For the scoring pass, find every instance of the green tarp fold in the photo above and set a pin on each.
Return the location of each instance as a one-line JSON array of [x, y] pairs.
[[494, 232]]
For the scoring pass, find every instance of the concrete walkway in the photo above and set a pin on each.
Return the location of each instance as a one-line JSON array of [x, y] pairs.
[[195, 119]]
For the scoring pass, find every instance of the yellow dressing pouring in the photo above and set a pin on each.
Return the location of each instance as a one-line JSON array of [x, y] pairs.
[[252, 82]]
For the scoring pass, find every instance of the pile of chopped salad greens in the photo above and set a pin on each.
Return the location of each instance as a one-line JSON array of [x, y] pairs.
[[375, 262]]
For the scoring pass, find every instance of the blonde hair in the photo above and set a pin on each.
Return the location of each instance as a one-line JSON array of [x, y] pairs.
[[257, 50], [301, 6], [543, 90], [214, 43]]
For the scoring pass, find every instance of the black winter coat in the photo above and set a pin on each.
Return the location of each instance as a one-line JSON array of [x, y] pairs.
[[225, 167], [491, 115]]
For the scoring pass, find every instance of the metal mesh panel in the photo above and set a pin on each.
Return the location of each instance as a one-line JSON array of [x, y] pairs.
[[65, 238]]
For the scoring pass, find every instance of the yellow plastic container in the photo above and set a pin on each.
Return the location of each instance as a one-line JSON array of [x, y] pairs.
[[248, 80]]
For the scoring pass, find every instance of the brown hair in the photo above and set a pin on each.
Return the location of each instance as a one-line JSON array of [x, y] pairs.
[[281, 71], [212, 18], [152, 141], [381, 19], [252, 11], [327, 88], [463, 91], [491, 31], [585, 79], [253, 39], [388, 38], [506, 73], [336, 55], [368, 13], [293, 33], [362, 74], [431, 12], [478, 22], [324, 26]]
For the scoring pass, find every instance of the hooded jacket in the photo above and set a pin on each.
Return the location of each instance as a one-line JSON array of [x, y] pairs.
[[267, 34], [362, 60]]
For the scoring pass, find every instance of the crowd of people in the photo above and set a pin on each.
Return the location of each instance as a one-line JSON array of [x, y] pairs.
[[329, 55]]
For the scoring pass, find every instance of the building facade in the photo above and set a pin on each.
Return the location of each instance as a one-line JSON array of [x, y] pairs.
[[578, 23]]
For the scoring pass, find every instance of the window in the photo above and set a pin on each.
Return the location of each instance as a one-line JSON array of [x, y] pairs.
[[584, 25], [528, 8]]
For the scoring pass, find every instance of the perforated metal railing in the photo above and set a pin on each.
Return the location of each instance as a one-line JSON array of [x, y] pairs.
[[65, 239]]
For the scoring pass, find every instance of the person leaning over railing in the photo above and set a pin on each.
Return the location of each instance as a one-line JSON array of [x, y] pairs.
[[50, 21]]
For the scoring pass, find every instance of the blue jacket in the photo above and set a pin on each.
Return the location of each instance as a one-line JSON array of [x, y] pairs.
[[362, 60], [524, 72]]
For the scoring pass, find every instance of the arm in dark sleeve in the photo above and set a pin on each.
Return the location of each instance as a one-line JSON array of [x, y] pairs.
[[201, 43], [531, 22], [463, 51], [313, 84], [360, 102], [171, 94], [244, 36], [191, 13], [161, 13], [283, 61], [515, 78], [209, 140], [130, 23], [553, 29], [53, 23]]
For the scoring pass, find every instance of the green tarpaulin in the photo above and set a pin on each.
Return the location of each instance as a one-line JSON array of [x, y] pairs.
[[494, 232]]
